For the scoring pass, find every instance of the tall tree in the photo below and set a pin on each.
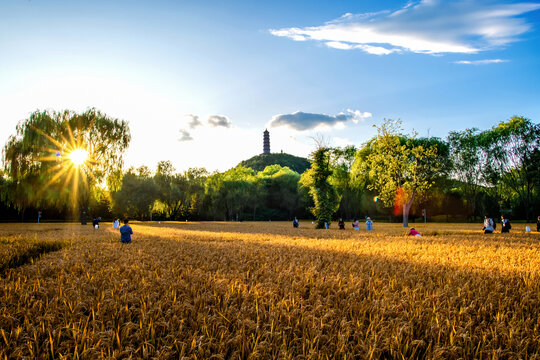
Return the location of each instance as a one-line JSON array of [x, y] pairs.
[[468, 158], [58, 158], [317, 179], [173, 190], [136, 196], [399, 169], [195, 178], [342, 163], [512, 147], [282, 187]]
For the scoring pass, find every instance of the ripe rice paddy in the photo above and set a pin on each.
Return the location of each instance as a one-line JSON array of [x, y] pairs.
[[268, 291]]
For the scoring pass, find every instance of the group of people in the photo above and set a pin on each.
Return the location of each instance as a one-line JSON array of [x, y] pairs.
[[356, 224], [125, 230], [341, 224], [490, 225]]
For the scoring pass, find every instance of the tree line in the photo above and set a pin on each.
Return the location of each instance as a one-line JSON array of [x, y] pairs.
[[394, 176]]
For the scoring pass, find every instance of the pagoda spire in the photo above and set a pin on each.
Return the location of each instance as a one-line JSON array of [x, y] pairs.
[[266, 142]]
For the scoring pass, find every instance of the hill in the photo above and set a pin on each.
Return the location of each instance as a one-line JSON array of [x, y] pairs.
[[259, 162]]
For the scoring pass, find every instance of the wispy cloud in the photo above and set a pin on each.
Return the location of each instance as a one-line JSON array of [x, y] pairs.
[[306, 121], [481, 62], [219, 121], [427, 26], [193, 121], [184, 135]]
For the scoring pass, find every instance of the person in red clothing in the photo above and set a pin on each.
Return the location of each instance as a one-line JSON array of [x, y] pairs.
[[413, 232]]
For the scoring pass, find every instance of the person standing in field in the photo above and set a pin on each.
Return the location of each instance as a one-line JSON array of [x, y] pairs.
[[488, 225], [341, 224], [125, 233], [295, 223], [116, 224], [505, 225], [369, 224], [356, 225]]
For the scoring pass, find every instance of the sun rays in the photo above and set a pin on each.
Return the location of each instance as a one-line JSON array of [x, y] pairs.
[[70, 161], [78, 156]]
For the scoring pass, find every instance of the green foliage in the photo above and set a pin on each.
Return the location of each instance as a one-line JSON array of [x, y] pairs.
[[399, 167], [35, 158], [317, 179], [342, 161], [260, 162], [500, 163], [282, 188], [468, 158], [136, 196], [472, 173], [512, 164]]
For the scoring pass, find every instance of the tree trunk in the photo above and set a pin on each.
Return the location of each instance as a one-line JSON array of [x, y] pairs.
[[407, 208]]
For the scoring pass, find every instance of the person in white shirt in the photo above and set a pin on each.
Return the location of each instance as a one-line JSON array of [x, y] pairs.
[[488, 225]]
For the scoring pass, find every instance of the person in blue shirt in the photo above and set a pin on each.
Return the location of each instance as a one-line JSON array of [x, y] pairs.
[[125, 233], [369, 224], [295, 222]]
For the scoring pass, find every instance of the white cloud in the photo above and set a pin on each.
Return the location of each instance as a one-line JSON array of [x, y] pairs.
[[193, 121], [375, 50], [219, 121], [481, 62], [428, 26], [307, 121], [184, 135]]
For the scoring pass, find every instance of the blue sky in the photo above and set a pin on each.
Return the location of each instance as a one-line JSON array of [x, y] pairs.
[[199, 81]]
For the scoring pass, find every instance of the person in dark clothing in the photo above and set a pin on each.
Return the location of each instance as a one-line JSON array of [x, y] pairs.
[[341, 224], [125, 233], [295, 223], [505, 225]]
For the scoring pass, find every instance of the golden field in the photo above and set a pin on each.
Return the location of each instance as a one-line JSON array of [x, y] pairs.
[[268, 291]]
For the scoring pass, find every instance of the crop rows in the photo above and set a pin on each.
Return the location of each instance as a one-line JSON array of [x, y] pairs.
[[248, 291]]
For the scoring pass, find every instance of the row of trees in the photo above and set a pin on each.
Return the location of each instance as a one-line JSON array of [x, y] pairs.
[[466, 175], [237, 194]]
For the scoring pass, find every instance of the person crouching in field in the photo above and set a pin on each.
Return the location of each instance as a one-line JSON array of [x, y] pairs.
[[125, 233], [356, 225], [295, 223], [488, 225], [413, 232]]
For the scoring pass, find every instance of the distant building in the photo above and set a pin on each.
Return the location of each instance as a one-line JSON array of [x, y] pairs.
[[266, 142]]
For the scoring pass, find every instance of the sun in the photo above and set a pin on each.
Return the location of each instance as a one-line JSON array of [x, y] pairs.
[[78, 156]]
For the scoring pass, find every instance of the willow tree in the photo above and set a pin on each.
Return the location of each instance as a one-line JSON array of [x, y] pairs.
[[317, 179], [399, 168], [58, 158]]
